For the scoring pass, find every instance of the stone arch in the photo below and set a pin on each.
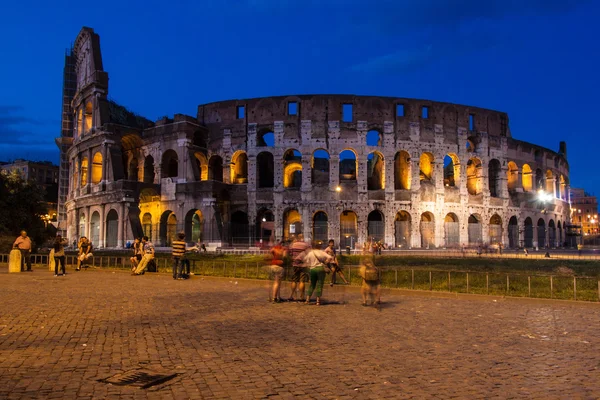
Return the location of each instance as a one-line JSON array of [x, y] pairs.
[[112, 229], [426, 167], [89, 112], [149, 169], [167, 228], [552, 234], [374, 138], [194, 226], [133, 169], [427, 230], [559, 234], [265, 226], [474, 176], [147, 225], [527, 178], [402, 225], [451, 230], [402, 171], [320, 228], [239, 167], [348, 165], [202, 165], [513, 232], [215, 168], [562, 188], [512, 176], [376, 226], [495, 230], [265, 170], [549, 181], [541, 233], [348, 229], [320, 168], [240, 228], [84, 171], [375, 171], [475, 230], [494, 171], [292, 169], [451, 170], [97, 168], [95, 228], [540, 183], [528, 233], [80, 122], [265, 138], [292, 223], [169, 164]]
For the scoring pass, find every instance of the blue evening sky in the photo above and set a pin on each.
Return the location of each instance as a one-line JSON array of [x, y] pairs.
[[538, 60]]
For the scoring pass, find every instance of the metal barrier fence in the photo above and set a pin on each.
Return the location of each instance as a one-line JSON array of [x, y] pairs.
[[565, 287]]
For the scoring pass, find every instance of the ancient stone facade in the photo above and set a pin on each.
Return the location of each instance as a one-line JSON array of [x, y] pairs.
[[411, 173]]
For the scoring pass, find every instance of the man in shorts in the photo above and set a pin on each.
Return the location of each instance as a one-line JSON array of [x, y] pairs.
[[277, 271], [301, 274]]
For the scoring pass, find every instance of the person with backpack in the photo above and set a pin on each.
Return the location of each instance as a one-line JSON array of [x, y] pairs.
[[371, 283]]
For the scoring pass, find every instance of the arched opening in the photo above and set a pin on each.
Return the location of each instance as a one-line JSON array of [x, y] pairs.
[[88, 116], [112, 229], [82, 225], [239, 168], [552, 234], [292, 224], [168, 228], [560, 238], [240, 229], [562, 188], [402, 230], [426, 169], [348, 166], [474, 229], [495, 230], [374, 138], [470, 145], [375, 171], [427, 230], [169, 164], [201, 166], [80, 122], [402, 172], [452, 230], [194, 226], [265, 170], [320, 168], [320, 227], [200, 138], [348, 229], [95, 228], [149, 169], [451, 170], [512, 176], [265, 227], [147, 225], [265, 138], [539, 180], [527, 178], [528, 232], [541, 233], [132, 170], [549, 182], [376, 226], [292, 169], [84, 171], [73, 166], [494, 177], [474, 179], [215, 168], [97, 168], [513, 233]]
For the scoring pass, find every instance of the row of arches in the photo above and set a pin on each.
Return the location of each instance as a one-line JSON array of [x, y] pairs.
[[84, 173], [109, 236]]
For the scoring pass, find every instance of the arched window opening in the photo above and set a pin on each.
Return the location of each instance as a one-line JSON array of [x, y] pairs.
[[539, 180], [132, 170], [80, 122], [426, 169], [495, 230], [292, 169], [88, 116], [560, 238], [215, 168], [427, 230], [552, 234], [402, 230], [374, 138], [474, 228], [194, 226], [549, 182], [320, 168], [512, 176], [168, 228], [348, 229], [538, 156], [292, 224], [348, 166], [147, 225], [513, 233], [201, 165], [452, 230], [265, 170], [239, 168], [84, 171], [451, 170], [402, 172], [528, 233], [375, 171], [97, 168], [169, 164], [320, 228], [474, 178], [376, 226], [73, 166], [527, 178], [541, 233], [95, 229], [494, 177], [470, 145], [265, 139], [265, 227], [149, 170], [200, 138], [112, 229], [240, 232], [82, 225]]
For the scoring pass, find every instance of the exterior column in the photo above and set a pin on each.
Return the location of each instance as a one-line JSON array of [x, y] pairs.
[[184, 159], [89, 170], [120, 226], [88, 224], [307, 223], [334, 171], [102, 230], [306, 173], [415, 231], [104, 153]]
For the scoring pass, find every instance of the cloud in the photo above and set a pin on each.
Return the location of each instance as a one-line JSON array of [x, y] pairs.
[[19, 130]]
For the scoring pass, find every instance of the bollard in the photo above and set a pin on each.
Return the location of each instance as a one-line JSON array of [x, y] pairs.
[[51, 261], [14, 261], [507, 284], [487, 283], [467, 282]]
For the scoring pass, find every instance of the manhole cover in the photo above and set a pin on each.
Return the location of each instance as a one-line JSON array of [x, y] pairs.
[[140, 378]]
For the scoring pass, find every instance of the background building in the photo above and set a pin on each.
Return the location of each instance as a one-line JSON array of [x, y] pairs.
[[584, 212]]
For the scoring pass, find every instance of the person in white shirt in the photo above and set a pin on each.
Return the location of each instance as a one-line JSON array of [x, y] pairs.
[[317, 261]]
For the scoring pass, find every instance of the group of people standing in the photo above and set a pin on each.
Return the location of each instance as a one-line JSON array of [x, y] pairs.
[[311, 264]]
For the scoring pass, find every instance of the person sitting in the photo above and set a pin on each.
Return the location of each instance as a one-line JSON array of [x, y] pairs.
[[137, 253], [146, 258], [85, 252]]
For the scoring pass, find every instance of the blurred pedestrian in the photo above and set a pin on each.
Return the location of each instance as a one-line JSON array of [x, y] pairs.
[[59, 254], [23, 244], [317, 261], [335, 266], [178, 252], [371, 284], [278, 253], [300, 273]]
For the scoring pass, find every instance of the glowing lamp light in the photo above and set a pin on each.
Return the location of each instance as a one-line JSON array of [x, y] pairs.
[[338, 189], [264, 219]]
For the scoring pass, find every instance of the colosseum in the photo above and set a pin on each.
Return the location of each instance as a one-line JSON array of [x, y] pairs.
[[241, 173]]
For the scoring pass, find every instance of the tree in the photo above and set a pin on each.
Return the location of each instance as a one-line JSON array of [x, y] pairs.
[[22, 204]]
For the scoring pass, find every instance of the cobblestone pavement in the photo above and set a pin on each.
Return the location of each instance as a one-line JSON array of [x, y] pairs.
[[60, 335]]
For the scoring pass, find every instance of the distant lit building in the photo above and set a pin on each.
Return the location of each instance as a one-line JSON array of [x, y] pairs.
[[584, 211]]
